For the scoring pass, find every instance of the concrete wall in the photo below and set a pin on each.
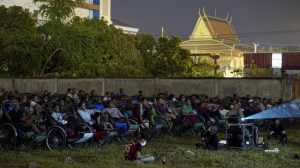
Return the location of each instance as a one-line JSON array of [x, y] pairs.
[[6, 84], [79, 84], [259, 87], [33, 85], [130, 86], [186, 86], [271, 88]]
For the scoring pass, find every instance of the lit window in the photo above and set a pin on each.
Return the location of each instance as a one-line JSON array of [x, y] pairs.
[[276, 60]]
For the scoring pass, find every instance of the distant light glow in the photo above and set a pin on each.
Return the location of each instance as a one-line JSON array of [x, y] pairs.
[[224, 142], [276, 60]]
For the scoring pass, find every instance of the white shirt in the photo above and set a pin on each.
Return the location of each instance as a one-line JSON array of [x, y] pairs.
[[59, 117], [70, 95], [75, 96], [86, 115], [224, 112]]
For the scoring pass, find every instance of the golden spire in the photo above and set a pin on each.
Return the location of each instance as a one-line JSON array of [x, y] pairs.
[[204, 14]]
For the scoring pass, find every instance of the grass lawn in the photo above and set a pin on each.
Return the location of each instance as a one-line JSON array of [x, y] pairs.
[[173, 147]]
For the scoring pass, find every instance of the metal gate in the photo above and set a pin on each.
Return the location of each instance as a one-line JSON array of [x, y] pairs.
[[296, 89]]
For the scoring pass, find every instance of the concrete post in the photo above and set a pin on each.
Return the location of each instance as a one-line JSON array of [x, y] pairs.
[[13, 83], [55, 85], [286, 89], [103, 86], [216, 86]]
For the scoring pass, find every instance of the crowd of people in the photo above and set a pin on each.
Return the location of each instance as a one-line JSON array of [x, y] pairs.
[[24, 109]]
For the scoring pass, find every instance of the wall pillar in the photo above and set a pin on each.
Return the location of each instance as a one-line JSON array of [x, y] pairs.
[[55, 85], [216, 86], [13, 82], [103, 87]]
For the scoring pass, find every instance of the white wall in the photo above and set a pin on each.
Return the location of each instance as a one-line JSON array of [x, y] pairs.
[[105, 10], [84, 13]]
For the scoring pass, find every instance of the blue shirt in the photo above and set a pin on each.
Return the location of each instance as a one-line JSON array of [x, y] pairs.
[[99, 107]]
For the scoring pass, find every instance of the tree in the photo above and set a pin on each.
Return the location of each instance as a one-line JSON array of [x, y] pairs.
[[19, 43], [170, 59], [91, 48], [254, 71], [57, 10], [59, 45], [291, 48], [237, 73], [203, 69], [66, 46], [164, 58], [146, 45]]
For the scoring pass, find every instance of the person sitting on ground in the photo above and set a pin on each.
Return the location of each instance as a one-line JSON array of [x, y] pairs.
[[1, 114], [2, 92], [111, 112], [69, 93], [74, 94], [236, 110], [35, 110], [24, 100], [57, 115], [4, 116], [19, 117], [277, 131], [188, 113], [133, 152], [90, 117], [121, 92], [187, 108], [93, 95], [99, 104], [140, 95], [162, 108], [214, 113], [209, 136], [106, 97], [142, 113], [224, 112], [114, 112]]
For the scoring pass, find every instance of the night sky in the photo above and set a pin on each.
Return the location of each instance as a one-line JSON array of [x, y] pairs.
[[178, 17]]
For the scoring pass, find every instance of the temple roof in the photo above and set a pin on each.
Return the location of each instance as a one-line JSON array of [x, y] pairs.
[[215, 36], [214, 28]]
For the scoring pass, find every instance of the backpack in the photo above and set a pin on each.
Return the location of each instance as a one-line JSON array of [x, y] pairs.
[[130, 151]]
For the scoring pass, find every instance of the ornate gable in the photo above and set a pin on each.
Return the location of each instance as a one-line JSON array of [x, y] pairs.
[[201, 31], [208, 27]]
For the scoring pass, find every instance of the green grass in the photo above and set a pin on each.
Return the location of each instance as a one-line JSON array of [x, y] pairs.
[[173, 148]]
